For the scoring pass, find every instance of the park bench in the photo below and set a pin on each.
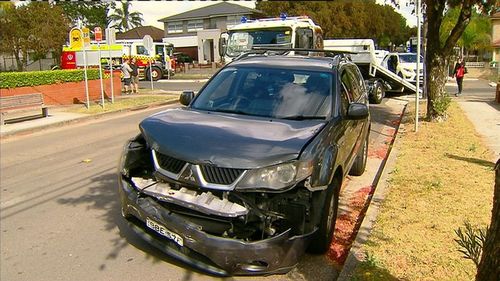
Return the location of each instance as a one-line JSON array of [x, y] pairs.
[[21, 106]]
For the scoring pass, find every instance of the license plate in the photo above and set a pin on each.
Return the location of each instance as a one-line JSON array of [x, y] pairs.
[[164, 231]]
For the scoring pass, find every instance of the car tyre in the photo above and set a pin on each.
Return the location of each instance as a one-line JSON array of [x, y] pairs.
[[378, 93], [320, 243], [156, 72], [359, 165]]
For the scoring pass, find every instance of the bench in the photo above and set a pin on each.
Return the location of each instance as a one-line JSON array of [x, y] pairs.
[[21, 104]]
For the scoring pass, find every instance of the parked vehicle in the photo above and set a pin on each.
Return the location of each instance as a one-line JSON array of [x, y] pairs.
[[404, 65], [162, 66], [285, 32], [247, 176], [378, 77], [161, 63]]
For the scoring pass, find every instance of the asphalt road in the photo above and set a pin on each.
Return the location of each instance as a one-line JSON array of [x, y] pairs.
[[172, 85], [60, 215]]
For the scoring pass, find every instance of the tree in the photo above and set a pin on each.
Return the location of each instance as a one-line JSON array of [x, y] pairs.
[[124, 19], [476, 35], [439, 50], [489, 267], [34, 27], [347, 19], [89, 14]]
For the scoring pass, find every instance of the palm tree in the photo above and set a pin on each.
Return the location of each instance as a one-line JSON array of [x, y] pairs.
[[124, 19]]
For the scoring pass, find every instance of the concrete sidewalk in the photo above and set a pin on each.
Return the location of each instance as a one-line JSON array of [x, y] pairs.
[[60, 116]]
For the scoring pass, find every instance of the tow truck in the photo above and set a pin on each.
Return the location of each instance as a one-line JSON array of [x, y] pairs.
[[285, 32], [378, 78]]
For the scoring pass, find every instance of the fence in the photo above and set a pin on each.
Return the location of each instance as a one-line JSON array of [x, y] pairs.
[[473, 64]]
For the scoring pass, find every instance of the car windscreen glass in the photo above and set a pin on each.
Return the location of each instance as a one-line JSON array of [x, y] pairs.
[[242, 41], [409, 58], [268, 92]]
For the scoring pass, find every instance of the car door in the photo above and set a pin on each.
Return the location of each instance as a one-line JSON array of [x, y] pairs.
[[347, 140], [358, 95]]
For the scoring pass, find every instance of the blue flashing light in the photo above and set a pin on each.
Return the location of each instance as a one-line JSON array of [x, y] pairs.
[[243, 19], [283, 16]]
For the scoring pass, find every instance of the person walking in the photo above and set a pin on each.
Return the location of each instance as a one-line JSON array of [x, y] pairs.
[[135, 76], [459, 73], [126, 70]]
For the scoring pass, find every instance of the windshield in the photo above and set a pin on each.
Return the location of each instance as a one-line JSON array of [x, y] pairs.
[[274, 93], [409, 58], [243, 40]]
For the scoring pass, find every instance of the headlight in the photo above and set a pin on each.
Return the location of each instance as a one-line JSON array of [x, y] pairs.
[[276, 177]]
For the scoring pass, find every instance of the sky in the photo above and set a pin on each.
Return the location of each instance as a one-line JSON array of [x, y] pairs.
[[155, 10]]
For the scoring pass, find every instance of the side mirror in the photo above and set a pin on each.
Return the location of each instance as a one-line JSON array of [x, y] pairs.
[[357, 111], [186, 97]]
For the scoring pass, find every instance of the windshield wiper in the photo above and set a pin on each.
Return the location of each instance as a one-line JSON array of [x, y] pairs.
[[302, 117], [231, 111]]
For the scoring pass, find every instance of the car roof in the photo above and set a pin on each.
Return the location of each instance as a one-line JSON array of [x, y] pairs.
[[292, 62]]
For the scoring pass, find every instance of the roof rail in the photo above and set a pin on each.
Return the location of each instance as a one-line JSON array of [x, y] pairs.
[[327, 52]]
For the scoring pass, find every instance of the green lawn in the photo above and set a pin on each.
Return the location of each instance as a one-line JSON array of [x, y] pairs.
[[124, 103], [442, 178]]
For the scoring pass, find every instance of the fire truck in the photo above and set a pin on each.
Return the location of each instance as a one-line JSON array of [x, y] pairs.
[[286, 32], [161, 63]]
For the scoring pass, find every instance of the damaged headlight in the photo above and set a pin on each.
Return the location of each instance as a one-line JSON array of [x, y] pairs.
[[277, 176]]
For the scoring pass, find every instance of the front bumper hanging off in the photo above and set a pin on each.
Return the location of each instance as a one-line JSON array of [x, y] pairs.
[[217, 255]]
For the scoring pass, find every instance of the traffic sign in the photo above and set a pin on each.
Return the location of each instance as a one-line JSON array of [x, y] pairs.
[[110, 35], [86, 37], [98, 34], [75, 38], [147, 40]]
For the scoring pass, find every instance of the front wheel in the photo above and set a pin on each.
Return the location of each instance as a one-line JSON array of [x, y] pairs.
[[359, 165], [156, 73], [378, 93], [324, 235]]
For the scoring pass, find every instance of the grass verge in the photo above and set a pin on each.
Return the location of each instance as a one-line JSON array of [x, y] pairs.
[[182, 76], [124, 103], [442, 178]]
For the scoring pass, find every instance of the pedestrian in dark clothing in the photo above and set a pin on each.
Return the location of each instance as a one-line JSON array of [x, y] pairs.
[[459, 73], [135, 76]]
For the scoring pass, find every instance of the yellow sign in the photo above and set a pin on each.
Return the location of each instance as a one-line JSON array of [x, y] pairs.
[[75, 38], [86, 36]]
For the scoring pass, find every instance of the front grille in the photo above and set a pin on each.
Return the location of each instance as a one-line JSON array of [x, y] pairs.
[[218, 175], [169, 163]]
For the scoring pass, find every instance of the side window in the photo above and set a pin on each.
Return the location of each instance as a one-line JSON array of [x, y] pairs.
[[304, 38], [345, 92], [141, 50], [357, 84]]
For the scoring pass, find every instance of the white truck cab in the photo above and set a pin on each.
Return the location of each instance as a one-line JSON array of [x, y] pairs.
[[286, 32]]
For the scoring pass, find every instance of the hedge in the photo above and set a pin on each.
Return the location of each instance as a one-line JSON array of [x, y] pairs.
[[35, 78]]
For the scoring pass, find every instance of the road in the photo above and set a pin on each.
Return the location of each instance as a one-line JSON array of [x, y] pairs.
[[173, 85], [60, 216]]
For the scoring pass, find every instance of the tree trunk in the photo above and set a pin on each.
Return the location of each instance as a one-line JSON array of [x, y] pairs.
[[489, 267], [18, 60], [435, 80]]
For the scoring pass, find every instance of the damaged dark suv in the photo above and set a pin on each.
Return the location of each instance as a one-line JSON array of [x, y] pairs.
[[246, 177]]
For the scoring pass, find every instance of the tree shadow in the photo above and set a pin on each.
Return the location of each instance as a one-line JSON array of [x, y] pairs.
[[103, 195], [481, 162]]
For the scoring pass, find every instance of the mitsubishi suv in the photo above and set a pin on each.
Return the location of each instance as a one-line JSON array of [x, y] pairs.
[[246, 176]]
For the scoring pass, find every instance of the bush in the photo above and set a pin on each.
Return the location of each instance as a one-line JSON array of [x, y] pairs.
[[35, 78], [441, 104]]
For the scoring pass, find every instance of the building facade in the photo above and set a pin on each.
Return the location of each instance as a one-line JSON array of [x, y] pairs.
[[495, 37], [197, 32]]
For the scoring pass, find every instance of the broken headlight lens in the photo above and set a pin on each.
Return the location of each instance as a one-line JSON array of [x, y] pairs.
[[276, 177]]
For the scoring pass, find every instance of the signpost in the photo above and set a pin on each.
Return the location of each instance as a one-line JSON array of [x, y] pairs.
[[98, 38], [148, 44], [86, 44], [417, 92], [110, 38]]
